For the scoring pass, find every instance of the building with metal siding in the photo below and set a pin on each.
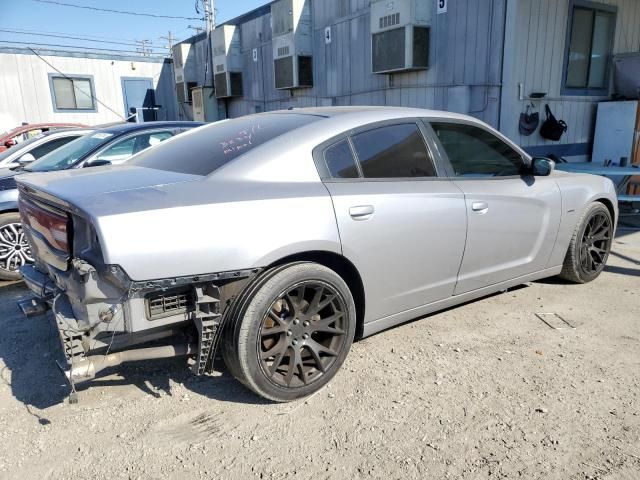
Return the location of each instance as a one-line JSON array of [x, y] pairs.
[[537, 35], [485, 58]]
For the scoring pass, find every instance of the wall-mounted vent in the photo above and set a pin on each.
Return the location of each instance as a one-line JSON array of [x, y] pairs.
[[196, 95], [292, 43], [400, 49], [228, 84], [284, 72], [180, 92], [286, 69], [228, 61], [390, 20], [400, 35]]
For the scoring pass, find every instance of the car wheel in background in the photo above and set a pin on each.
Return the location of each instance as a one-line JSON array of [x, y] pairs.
[[14, 249], [292, 332], [590, 245]]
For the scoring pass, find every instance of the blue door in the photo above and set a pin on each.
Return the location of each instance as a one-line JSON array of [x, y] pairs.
[[139, 93]]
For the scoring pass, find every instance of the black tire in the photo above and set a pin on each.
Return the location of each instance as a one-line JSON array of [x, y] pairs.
[[314, 330], [590, 245], [8, 240]]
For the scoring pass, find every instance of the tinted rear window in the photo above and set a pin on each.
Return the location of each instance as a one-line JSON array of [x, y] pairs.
[[206, 149]]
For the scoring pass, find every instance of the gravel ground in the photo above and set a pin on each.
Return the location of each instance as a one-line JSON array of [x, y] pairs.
[[485, 390]]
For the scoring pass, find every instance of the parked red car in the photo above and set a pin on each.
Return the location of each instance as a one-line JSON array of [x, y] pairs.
[[9, 139]]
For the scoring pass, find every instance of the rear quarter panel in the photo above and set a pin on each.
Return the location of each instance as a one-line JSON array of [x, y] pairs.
[[578, 191], [242, 225]]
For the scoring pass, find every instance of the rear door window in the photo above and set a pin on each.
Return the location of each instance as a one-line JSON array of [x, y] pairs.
[[394, 151]]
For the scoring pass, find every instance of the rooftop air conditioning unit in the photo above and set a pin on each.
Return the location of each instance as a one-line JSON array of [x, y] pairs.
[[180, 55], [227, 61], [400, 35], [292, 44]]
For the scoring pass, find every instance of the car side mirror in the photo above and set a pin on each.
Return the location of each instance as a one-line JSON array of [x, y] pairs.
[[542, 166], [26, 159], [98, 162]]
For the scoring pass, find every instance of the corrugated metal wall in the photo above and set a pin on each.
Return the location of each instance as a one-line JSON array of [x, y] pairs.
[[537, 43], [466, 51]]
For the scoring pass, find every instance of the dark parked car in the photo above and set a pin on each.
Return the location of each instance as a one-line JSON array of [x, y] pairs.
[[111, 145]]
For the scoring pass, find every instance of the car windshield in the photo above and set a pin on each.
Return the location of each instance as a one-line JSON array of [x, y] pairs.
[[211, 147], [69, 154], [12, 151]]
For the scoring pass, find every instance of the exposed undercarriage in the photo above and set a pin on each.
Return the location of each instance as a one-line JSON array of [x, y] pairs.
[[105, 319]]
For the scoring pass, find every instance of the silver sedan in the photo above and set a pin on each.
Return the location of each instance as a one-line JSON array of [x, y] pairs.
[[281, 237]]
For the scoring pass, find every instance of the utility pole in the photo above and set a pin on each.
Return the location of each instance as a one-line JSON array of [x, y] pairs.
[[210, 23], [209, 15], [144, 47], [170, 39]]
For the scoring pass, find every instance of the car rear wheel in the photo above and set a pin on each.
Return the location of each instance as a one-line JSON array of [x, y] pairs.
[[590, 245], [14, 249], [293, 332]]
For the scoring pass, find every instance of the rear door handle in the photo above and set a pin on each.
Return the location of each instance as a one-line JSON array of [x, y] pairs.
[[361, 212], [480, 207]]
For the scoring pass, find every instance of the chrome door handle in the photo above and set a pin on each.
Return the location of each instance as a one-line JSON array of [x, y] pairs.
[[361, 212], [480, 207]]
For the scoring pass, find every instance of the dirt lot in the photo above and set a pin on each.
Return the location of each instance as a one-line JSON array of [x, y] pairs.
[[485, 390]]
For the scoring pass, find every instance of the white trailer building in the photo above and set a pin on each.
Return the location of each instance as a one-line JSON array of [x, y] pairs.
[[43, 85]]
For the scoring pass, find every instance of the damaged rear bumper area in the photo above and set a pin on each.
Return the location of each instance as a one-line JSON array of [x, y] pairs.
[[168, 318]]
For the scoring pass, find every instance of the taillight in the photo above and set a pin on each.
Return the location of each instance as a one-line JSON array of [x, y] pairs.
[[51, 225]]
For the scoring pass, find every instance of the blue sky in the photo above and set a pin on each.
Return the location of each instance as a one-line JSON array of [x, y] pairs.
[[34, 16]]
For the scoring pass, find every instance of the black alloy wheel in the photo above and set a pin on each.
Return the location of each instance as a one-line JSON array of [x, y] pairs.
[[595, 243], [590, 245], [290, 331], [302, 333]]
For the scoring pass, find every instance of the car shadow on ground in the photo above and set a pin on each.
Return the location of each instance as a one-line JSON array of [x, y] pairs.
[[157, 378], [28, 351], [29, 348]]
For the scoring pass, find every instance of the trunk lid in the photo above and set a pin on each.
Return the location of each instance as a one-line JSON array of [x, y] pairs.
[[73, 187]]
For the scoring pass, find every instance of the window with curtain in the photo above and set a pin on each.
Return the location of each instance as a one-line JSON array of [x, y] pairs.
[[589, 48]]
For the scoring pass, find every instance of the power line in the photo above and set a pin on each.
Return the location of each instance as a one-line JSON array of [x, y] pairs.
[[143, 47], [69, 46], [170, 41], [66, 37], [122, 12], [80, 35], [72, 83]]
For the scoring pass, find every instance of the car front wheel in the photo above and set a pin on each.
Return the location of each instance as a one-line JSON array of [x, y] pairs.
[[590, 245], [292, 332], [14, 249]]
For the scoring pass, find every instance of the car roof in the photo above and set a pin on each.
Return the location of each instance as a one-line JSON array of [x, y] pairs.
[[36, 126], [66, 131], [373, 111], [120, 128]]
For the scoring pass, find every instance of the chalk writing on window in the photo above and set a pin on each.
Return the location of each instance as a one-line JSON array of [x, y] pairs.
[[240, 141]]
